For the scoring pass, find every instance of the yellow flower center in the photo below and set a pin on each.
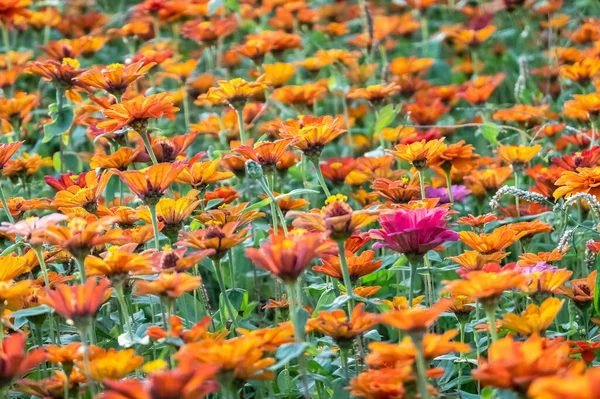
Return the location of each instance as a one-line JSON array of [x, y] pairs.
[[166, 248], [114, 66], [336, 165], [335, 198], [71, 62]]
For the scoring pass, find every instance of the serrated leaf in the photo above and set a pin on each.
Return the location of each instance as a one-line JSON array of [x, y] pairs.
[[490, 132], [385, 117]]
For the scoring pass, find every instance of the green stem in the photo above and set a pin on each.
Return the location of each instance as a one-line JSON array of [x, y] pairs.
[[315, 162], [186, 110], [429, 291], [6, 42], [413, 281], [67, 383], [422, 184], [490, 312], [517, 203], [124, 308], [344, 361], [81, 267], [146, 139], [263, 183], [449, 187], [228, 305], [594, 133], [417, 339], [44, 268], [154, 225], [345, 270], [295, 301], [5, 206], [156, 25], [240, 118]]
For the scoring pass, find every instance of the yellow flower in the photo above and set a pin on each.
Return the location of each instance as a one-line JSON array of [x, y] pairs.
[[534, 320]]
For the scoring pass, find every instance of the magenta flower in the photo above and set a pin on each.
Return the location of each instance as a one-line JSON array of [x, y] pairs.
[[413, 232]]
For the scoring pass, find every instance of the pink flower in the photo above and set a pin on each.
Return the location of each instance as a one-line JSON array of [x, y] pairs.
[[413, 232]]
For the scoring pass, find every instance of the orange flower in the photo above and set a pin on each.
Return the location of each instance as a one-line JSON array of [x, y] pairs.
[[287, 204], [399, 303], [336, 217], [311, 134], [304, 95], [515, 365], [399, 191], [16, 110], [241, 357], [10, 9], [581, 72], [115, 78], [117, 265], [518, 155], [120, 159], [136, 112], [267, 154], [255, 49], [485, 243], [66, 354], [420, 153], [488, 181], [78, 303], [415, 320], [288, 256], [584, 106], [477, 222], [234, 92], [534, 320], [180, 382], [528, 229], [7, 151], [335, 324], [425, 112], [168, 285], [358, 266], [382, 383], [12, 293], [151, 183], [410, 66], [79, 236], [584, 180], [473, 260], [14, 362], [487, 287], [374, 94], [200, 174], [473, 37], [85, 197], [197, 332], [61, 74], [581, 290], [278, 74], [220, 238], [529, 259], [581, 383], [112, 364], [397, 355], [26, 166]]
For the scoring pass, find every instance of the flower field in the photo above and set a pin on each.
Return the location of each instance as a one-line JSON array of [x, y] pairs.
[[299, 199]]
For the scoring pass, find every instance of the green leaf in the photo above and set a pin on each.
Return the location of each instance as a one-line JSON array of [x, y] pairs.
[[385, 117], [233, 5], [284, 382], [326, 298], [267, 201], [61, 122], [30, 312], [287, 352], [490, 132], [597, 289], [213, 203]]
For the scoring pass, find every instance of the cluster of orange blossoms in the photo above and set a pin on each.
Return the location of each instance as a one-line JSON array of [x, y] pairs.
[[294, 199]]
